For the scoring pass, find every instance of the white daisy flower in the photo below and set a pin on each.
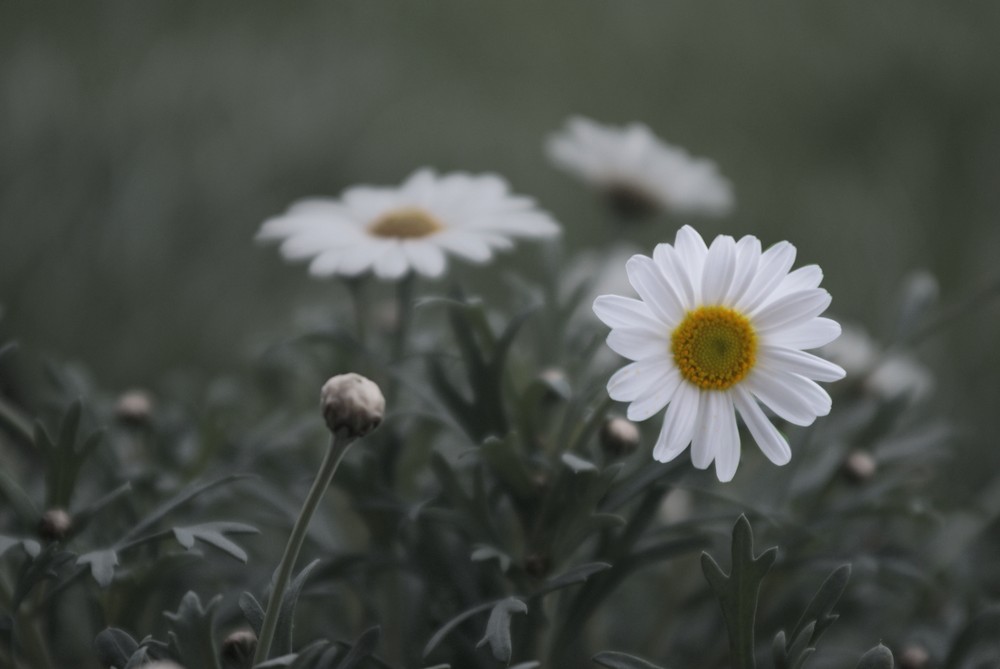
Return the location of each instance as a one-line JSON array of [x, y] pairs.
[[715, 331], [394, 230], [640, 173]]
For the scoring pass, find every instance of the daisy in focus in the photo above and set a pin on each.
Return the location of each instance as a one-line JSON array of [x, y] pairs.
[[640, 173], [717, 330], [392, 231]]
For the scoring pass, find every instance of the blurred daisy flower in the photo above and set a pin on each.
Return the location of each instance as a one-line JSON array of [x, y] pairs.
[[639, 173], [392, 231], [718, 330]]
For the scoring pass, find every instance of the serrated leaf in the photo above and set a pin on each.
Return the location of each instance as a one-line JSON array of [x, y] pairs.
[[213, 534], [443, 631], [577, 464], [820, 609], [614, 660], [178, 500], [30, 546], [737, 592], [362, 648], [878, 657], [191, 627], [252, 611], [114, 647], [498, 628], [102, 565], [573, 576], [483, 553]]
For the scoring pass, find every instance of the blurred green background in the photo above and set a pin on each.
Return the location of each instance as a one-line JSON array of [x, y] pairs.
[[142, 144]]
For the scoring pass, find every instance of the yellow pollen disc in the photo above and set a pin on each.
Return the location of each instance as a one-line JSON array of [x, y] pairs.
[[714, 347], [407, 223]]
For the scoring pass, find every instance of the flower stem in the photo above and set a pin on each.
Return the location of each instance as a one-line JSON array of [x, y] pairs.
[[338, 447]]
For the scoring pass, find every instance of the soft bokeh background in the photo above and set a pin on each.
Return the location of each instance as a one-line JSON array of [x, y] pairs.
[[142, 144]]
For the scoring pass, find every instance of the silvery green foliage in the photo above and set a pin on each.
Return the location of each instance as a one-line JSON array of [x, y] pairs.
[[481, 526]]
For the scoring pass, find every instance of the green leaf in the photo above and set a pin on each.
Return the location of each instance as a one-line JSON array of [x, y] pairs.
[[533, 664], [443, 631], [878, 657], [252, 611], [614, 660], [577, 464], [985, 627], [30, 546], [19, 500], [362, 648], [114, 647], [820, 609], [286, 616], [737, 592], [214, 535], [482, 553], [498, 628], [573, 576], [191, 632], [102, 565], [502, 457]]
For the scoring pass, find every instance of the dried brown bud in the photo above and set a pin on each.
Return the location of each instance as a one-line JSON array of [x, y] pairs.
[[914, 657], [860, 466], [537, 564], [238, 650], [134, 407], [619, 437], [54, 525], [352, 405]]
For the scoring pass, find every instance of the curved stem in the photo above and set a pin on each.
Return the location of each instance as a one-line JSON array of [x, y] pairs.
[[338, 447]]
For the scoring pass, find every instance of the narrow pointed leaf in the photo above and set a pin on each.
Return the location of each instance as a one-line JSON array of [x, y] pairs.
[[252, 611], [362, 648], [443, 631], [114, 647], [614, 660], [498, 628], [577, 574]]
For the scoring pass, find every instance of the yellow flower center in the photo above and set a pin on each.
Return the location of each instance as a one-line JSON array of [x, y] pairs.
[[714, 347], [405, 223]]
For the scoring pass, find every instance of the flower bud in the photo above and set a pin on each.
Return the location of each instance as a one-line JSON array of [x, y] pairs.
[[134, 407], [54, 525], [860, 466], [238, 650], [914, 657], [619, 437], [162, 664], [352, 405]]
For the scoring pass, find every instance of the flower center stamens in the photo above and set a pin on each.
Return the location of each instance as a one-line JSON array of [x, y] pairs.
[[405, 223], [714, 347]]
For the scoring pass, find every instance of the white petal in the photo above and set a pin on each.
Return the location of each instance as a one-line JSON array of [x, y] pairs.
[[673, 270], [692, 251], [361, 257], [637, 344], [425, 258], [799, 362], [811, 334], [747, 260], [720, 266], [727, 438], [773, 267], [771, 442], [703, 441], [803, 278], [791, 310], [621, 312], [678, 424], [326, 263], [467, 245], [634, 379], [392, 263], [654, 290], [656, 397], [794, 398]]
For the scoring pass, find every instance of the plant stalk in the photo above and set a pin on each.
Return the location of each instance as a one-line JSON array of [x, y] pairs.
[[338, 447]]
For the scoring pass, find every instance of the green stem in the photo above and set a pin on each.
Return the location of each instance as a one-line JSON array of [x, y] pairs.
[[404, 311], [338, 447], [356, 287]]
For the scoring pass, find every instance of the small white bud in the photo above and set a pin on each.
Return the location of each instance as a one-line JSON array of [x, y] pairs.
[[134, 406], [619, 437], [55, 524], [352, 404]]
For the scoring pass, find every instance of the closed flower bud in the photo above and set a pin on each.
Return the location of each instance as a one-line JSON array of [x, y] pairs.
[[352, 405], [54, 525], [860, 466], [619, 437], [134, 407], [914, 657], [162, 664], [238, 650]]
